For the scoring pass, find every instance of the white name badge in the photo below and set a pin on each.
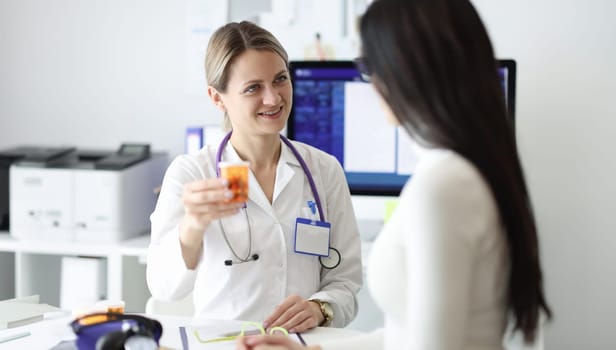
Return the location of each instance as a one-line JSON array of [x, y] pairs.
[[312, 237]]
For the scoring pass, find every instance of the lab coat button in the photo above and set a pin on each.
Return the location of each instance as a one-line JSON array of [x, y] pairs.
[[280, 265]]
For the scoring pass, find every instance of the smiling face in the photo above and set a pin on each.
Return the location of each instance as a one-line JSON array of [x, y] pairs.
[[258, 97]]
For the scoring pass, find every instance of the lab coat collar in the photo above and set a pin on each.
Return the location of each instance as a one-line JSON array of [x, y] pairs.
[[288, 165], [229, 154], [286, 155]]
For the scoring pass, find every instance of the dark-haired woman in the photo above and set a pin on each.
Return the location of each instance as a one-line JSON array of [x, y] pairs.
[[460, 254]]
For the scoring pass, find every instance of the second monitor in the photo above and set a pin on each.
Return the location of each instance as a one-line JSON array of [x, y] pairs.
[[336, 111]]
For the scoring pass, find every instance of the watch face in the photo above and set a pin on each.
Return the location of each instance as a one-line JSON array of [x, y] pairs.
[[328, 314], [328, 310], [332, 260]]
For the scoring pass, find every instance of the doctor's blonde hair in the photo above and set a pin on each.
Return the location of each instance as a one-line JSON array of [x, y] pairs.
[[230, 41]]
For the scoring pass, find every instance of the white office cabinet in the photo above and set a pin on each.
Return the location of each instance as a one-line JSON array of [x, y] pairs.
[[88, 212], [37, 268], [44, 205], [83, 203], [114, 205], [83, 282], [98, 215]]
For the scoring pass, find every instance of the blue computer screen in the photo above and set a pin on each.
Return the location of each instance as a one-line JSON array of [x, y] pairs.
[[336, 111]]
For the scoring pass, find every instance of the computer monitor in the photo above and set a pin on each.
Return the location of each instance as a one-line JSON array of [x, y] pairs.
[[336, 111], [507, 74]]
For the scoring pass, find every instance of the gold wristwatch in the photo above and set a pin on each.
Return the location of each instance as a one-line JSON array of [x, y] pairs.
[[327, 311]]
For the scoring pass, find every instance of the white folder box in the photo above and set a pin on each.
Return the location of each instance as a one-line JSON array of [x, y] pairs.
[[83, 282]]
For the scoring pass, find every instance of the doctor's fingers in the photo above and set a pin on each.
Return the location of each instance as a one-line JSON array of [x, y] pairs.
[[268, 342], [282, 308], [206, 184], [220, 195], [199, 222], [293, 312], [300, 321], [213, 212]]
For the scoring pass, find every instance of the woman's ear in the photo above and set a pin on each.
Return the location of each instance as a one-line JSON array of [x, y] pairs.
[[216, 98]]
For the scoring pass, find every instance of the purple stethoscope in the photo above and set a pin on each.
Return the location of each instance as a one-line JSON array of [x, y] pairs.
[[328, 262]]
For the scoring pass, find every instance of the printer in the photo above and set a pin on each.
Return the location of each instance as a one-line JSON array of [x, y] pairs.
[[36, 154], [102, 197]]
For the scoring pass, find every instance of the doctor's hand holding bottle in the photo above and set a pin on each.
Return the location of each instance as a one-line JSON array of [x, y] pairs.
[[204, 201]]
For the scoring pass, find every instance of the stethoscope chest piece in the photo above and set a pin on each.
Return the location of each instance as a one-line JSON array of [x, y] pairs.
[[332, 260]]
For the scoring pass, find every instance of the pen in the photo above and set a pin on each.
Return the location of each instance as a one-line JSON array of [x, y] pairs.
[[313, 207], [13, 337], [301, 339]]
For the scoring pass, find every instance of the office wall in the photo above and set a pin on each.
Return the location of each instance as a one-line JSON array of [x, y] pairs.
[[566, 125], [96, 73]]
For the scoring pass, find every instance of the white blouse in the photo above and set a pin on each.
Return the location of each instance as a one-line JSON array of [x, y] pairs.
[[439, 269]]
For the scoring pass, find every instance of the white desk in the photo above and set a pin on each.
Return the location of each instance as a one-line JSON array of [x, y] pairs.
[[47, 334]]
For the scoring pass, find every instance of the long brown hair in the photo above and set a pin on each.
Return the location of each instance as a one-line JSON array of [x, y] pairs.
[[435, 67]]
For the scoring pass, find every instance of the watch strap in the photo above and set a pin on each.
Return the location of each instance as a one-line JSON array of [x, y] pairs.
[[326, 310]]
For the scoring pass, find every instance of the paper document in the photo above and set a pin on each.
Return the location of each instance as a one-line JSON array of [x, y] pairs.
[[32, 299], [217, 335], [15, 314]]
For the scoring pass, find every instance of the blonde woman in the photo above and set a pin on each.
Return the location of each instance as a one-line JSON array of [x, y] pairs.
[[241, 260]]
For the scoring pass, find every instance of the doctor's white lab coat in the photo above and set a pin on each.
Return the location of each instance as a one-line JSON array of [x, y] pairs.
[[250, 291]]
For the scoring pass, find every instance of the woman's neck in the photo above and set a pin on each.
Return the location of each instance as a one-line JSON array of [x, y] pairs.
[[262, 152]]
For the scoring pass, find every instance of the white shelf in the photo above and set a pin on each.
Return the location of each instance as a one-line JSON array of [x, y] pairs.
[[132, 247], [137, 246], [35, 267]]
